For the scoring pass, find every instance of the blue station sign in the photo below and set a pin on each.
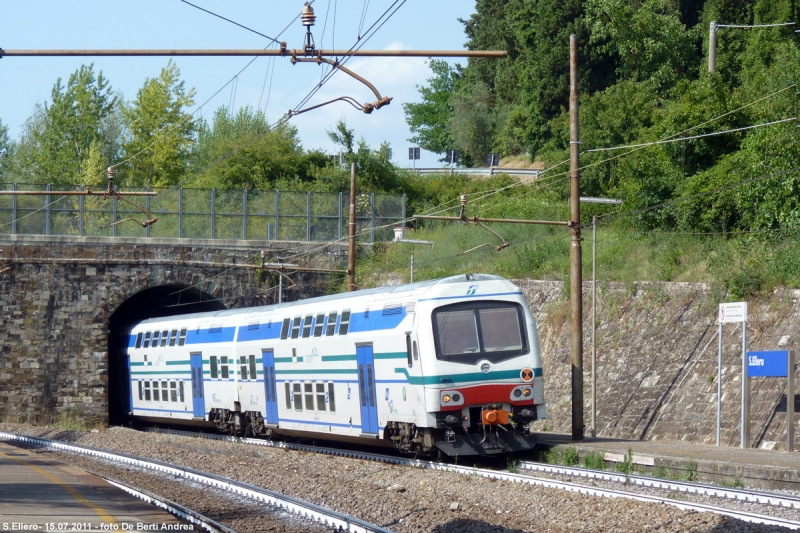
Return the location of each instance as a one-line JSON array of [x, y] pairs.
[[768, 364]]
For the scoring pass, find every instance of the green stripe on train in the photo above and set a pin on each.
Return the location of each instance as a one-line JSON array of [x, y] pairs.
[[452, 379]]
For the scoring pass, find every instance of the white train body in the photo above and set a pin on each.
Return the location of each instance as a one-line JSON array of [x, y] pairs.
[[451, 364]]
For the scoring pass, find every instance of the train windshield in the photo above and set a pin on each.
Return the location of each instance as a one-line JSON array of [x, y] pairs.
[[475, 331]]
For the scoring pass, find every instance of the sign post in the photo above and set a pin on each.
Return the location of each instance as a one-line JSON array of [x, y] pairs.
[[735, 312], [779, 363]]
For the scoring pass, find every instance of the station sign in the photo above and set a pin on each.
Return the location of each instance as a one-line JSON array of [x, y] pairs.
[[768, 364], [733, 312]]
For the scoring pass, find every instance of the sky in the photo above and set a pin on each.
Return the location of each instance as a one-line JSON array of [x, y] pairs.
[[273, 84]]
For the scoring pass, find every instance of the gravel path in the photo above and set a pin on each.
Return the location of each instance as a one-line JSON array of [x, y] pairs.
[[400, 498]]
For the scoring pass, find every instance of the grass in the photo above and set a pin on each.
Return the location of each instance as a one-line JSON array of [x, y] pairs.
[[735, 267], [70, 421]]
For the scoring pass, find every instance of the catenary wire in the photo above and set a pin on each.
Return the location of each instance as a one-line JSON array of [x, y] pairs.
[[275, 41]]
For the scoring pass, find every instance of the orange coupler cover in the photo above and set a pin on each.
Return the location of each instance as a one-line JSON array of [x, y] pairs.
[[494, 416]]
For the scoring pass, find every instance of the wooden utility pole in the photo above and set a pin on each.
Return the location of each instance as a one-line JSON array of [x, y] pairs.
[[576, 295], [351, 232]]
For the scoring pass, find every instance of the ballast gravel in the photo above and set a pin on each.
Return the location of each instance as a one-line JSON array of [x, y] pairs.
[[399, 498]]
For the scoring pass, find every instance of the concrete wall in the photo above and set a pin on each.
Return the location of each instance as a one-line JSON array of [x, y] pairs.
[[657, 353]]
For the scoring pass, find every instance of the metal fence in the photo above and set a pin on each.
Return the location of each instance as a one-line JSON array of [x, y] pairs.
[[202, 214]]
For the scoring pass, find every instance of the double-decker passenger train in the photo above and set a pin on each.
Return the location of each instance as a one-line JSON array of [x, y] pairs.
[[450, 364]]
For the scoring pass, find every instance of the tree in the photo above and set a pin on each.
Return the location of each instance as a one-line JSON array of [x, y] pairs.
[[161, 132], [428, 119], [58, 137], [242, 151], [6, 149]]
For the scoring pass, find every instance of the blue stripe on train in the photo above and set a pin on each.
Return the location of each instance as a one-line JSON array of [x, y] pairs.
[[209, 335], [375, 320], [271, 330]]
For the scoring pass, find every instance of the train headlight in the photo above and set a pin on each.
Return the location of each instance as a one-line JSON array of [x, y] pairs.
[[446, 398], [517, 393], [456, 397], [526, 392]]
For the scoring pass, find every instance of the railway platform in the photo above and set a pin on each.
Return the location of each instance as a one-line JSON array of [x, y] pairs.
[[752, 468], [41, 494]]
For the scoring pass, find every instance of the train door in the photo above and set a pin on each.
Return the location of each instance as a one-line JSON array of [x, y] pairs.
[[130, 387], [366, 388], [198, 402], [268, 358]]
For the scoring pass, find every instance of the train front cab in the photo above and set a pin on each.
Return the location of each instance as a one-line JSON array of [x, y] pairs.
[[483, 376]]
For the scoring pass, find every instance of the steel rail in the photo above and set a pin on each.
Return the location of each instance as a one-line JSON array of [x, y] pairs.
[[562, 485], [295, 506], [762, 497], [254, 52], [175, 509]]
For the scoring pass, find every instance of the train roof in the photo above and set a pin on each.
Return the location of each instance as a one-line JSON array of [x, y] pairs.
[[408, 287]]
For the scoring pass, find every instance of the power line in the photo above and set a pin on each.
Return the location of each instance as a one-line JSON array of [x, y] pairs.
[[233, 22], [643, 145]]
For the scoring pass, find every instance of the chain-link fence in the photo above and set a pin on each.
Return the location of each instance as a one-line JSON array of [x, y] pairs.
[[201, 214]]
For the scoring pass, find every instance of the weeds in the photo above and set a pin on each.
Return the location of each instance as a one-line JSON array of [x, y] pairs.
[[69, 421], [595, 461], [626, 465], [570, 457], [511, 466], [691, 471]]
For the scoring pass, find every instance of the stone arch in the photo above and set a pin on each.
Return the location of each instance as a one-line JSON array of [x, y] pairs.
[[157, 298]]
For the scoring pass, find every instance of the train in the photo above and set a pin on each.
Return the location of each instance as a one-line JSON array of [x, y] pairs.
[[448, 366]]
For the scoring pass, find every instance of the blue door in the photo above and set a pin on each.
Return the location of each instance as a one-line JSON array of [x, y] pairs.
[[268, 358], [199, 404], [130, 388], [366, 388]]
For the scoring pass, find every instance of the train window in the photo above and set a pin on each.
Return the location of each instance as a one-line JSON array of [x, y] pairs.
[[164, 387], [154, 342], [408, 349], [253, 373], [318, 325], [296, 327], [146, 391], [173, 391], [253, 326], [223, 366], [331, 324], [139, 340], [307, 327], [331, 399], [182, 338], [141, 396], [285, 329], [164, 338], [173, 337], [146, 342], [320, 396], [345, 323], [414, 349], [297, 392], [288, 388], [180, 390], [469, 332], [156, 396], [214, 369], [242, 367], [309, 390]]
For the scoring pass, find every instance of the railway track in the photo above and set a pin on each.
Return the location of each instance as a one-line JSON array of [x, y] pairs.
[[761, 498], [327, 517]]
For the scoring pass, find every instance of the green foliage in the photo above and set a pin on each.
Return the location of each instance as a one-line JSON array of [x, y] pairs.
[[595, 461], [626, 465], [241, 151], [570, 457], [375, 169], [161, 132], [6, 149], [691, 471], [58, 137], [428, 120]]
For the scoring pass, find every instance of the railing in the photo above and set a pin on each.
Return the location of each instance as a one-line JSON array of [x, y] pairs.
[[202, 214], [487, 171]]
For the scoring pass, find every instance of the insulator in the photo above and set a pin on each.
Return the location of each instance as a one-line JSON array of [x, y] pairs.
[[307, 17], [111, 173], [463, 200]]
